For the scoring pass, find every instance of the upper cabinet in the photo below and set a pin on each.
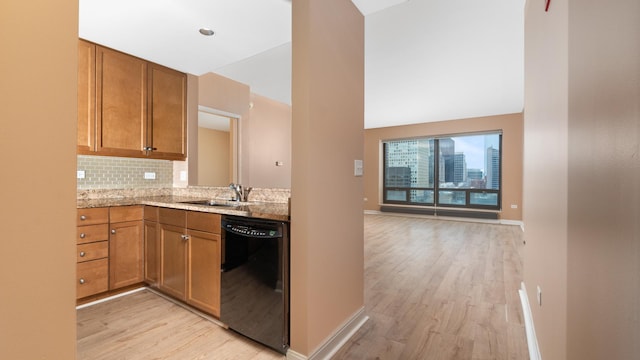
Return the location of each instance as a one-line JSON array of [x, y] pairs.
[[167, 135], [138, 110], [86, 97], [121, 103]]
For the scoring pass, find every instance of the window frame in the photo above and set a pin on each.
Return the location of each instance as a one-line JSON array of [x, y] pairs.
[[436, 189]]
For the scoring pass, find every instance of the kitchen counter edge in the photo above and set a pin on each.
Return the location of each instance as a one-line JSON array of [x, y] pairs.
[[261, 210]]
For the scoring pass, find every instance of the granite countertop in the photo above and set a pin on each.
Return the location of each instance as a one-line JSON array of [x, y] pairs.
[[263, 210]]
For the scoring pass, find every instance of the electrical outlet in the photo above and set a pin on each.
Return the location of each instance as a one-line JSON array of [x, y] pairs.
[[183, 175], [514, 206], [150, 176], [539, 296], [80, 174]]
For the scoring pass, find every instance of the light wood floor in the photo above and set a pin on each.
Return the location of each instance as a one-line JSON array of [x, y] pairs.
[[144, 325], [434, 289], [438, 289]]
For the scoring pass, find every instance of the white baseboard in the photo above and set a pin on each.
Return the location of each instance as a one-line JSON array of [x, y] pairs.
[[512, 222], [110, 298], [330, 346], [532, 340]]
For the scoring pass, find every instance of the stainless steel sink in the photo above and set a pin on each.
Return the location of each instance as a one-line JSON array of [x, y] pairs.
[[213, 203]]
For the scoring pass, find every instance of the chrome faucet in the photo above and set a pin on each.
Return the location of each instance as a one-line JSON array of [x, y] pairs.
[[238, 189], [242, 194]]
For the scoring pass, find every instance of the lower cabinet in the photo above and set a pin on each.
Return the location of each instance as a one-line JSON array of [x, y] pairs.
[[92, 252], [190, 257], [204, 271], [109, 250], [126, 246], [151, 246]]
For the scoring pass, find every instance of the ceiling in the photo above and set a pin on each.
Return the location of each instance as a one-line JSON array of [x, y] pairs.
[[425, 60]]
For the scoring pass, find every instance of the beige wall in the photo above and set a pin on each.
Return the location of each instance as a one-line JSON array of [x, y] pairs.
[[264, 130], [582, 176], [545, 173], [221, 93], [37, 146], [327, 265], [270, 134], [511, 126], [213, 157], [603, 265]]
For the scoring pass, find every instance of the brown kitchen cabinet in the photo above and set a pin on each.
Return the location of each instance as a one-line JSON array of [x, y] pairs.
[[151, 246], [121, 103], [173, 252], [167, 134], [126, 246], [86, 97], [190, 257], [129, 107], [92, 263], [203, 230]]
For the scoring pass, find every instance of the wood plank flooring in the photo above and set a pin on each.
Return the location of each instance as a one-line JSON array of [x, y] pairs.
[[145, 326], [439, 289], [434, 289]]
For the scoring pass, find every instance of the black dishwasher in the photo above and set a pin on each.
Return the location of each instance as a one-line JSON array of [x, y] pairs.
[[254, 294]]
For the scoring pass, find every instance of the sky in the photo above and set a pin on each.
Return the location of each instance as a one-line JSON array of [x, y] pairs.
[[474, 148]]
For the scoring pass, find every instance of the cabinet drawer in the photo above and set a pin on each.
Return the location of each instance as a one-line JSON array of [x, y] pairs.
[[92, 251], [203, 221], [126, 213], [92, 233], [173, 217], [92, 277], [151, 213], [92, 216]]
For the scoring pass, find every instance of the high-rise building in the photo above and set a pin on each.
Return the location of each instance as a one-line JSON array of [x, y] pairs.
[[415, 155], [475, 179], [397, 176], [447, 152], [459, 168], [492, 168], [474, 174]]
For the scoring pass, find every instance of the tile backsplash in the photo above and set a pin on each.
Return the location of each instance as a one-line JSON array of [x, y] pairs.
[[105, 172]]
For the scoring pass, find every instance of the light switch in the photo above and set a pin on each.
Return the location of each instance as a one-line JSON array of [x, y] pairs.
[[183, 175], [357, 167]]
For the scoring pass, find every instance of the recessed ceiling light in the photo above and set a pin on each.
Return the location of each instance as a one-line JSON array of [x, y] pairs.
[[206, 31]]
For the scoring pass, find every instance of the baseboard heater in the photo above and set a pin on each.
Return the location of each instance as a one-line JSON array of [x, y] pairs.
[[441, 212]]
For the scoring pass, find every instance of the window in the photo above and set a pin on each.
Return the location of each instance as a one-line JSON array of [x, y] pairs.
[[453, 171]]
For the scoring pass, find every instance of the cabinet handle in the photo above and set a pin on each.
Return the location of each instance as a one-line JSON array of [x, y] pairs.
[[113, 231], [149, 148], [82, 253], [185, 237], [83, 217], [83, 235], [81, 281]]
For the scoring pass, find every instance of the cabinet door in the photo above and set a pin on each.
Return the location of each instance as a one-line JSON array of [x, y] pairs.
[[167, 113], [204, 271], [121, 102], [173, 261], [126, 254], [151, 253], [86, 97]]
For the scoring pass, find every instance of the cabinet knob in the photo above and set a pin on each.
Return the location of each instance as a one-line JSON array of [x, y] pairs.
[[83, 217], [83, 235], [149, 148], [82, 253], [185, 237], [113, 231], [81, 281]]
